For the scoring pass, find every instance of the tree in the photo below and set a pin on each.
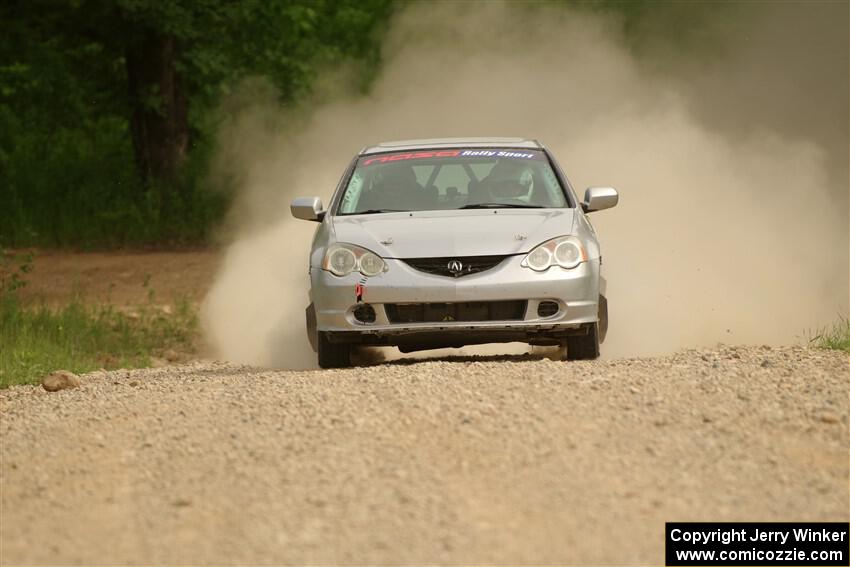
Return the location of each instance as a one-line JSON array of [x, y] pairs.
[[179, 53], [160, 106], [107, 107]]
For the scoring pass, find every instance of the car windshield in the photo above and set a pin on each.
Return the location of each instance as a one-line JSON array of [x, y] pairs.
[[471, 178]]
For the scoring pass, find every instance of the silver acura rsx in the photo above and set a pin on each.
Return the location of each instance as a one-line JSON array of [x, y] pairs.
[[450, 242]]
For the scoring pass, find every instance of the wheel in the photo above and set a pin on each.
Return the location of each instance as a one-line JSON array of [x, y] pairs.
[[603, 318], [310, 316], [584, 347], [332, 355]]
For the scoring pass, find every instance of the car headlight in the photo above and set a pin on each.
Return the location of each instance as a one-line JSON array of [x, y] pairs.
[[564, 251], [342, 259]]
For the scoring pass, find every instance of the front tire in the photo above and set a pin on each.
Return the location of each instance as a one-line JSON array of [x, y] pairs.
[[584, 347], [332, 355], [603, 318], [312, 327]]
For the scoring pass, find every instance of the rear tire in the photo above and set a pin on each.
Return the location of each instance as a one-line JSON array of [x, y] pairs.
[[332, 355], [584, 347]]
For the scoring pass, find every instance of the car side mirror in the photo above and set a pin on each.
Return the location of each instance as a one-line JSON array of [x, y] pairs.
[[307, 208], [598, 198]]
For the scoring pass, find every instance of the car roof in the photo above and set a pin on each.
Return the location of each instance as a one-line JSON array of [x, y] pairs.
[[436, 143]]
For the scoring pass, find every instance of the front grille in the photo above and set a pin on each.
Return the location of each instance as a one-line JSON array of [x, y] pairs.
[[449, 312], [455, 267]]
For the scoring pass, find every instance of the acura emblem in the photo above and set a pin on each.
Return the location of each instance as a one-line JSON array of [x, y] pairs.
[[455, 267]]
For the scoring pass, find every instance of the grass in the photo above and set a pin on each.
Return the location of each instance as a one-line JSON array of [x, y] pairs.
[[78, 187], [36, 340], [835, 337]]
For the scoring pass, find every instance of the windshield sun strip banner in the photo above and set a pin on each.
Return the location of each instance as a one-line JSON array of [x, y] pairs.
[[459, 153]]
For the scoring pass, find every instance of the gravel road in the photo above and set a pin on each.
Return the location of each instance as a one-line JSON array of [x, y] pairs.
[[488, 461]]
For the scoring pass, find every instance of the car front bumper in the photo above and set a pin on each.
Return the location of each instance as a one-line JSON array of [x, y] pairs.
[[576, 292]]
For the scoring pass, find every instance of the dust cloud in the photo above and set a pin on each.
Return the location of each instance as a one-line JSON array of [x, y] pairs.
[[730, 155]]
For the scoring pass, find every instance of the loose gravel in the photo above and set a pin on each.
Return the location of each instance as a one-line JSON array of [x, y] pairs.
[[473, 461]]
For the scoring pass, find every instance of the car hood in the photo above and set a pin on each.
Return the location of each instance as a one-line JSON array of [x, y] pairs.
[[429, 234]]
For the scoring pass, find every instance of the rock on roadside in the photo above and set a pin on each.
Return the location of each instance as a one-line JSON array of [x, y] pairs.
[[60, 380]]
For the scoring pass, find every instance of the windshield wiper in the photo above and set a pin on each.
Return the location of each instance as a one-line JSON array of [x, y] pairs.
[[378, 211], [501, 206]]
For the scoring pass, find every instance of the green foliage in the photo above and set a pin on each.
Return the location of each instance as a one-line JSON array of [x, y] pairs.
[[835, 336], [67, 165], [13, 271], [79, 187], [79, 338], [35, 341]]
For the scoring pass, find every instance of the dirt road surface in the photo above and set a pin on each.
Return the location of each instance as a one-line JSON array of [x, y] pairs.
[[121, 278], [478, 462]]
